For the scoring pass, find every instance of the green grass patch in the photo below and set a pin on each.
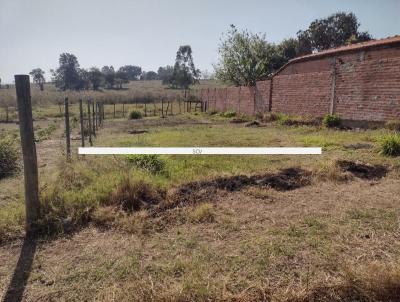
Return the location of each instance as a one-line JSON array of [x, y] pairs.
[[135, 115], [331, 121], [8, 157], [149, 162], [390, 145]]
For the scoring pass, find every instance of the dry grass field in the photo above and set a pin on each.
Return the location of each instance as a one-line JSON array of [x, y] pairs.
[[204, 228]]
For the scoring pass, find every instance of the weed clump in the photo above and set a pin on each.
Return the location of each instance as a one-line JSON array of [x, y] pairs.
[[331, 121], [132, 195], [135, 115], [8, 157], [390, 145], [228, 114], [202, 213], [149, 162], [393, 125]]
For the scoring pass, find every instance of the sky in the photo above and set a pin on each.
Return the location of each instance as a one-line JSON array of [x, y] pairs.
[[148, 33]]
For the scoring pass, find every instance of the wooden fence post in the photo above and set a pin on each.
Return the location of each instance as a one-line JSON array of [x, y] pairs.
[[166, 111], [114, 110], [145, 110], [90, 124], [81, 120], [96, 115], [123, 109], [67, 129], [93, 119], [162, 107], [155, 108], [32, 204]]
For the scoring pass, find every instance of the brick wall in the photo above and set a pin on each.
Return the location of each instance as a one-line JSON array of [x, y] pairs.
[[302, 94], [363, 85], [368, 85]]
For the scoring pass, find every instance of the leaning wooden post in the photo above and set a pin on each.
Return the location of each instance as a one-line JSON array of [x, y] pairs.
[[123, 109], [114, 110], [67, 129], [90, 124], [145, 110], [81, 120], [32, 204]]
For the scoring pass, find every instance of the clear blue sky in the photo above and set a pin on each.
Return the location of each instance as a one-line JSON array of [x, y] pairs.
[[148, 32]]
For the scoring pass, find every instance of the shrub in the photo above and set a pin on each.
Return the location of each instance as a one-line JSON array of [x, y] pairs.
[[228, 114], [8, 157], [135, 115], [390, 145], [331, 121], [148, 162], [393, 125]]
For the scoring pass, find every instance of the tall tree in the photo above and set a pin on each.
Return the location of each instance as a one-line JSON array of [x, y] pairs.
[[38, 77], [109, 75], [185, 73], [84, 79], [336, 30], [149, 75], [121, 77], [95, 77], [245, 58], [66, 76], [165, 74], [133, 72]]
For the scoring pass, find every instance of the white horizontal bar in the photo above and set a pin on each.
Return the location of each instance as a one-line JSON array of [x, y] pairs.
[[198, 150]]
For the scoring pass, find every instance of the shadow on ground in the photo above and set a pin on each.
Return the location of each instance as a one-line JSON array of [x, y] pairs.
[[16, 287]]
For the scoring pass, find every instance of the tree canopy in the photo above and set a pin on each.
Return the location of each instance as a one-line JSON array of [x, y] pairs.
[[66, 76], [165, 74], [131, 72], [38, 77], [336, 30], [244, 58], [184, 73]]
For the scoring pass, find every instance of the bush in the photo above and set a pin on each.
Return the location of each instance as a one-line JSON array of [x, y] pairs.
[[228, 114], [149, 162], [393, 125], [135, 115], [8, 157], [331, 121], [390, 145]]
